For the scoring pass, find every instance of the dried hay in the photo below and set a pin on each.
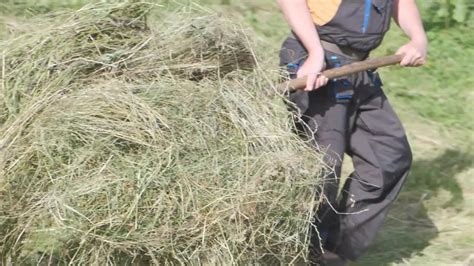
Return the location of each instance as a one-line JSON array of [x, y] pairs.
[[122, 143]]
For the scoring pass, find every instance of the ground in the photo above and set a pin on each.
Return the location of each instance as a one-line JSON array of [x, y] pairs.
[[432, 221]]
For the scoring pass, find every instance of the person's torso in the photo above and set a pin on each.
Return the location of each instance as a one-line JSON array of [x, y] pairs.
[[359, 24]]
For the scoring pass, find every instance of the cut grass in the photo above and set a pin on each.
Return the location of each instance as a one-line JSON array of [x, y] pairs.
[[128, 142]]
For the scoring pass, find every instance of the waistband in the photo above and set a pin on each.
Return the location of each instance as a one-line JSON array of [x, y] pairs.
[[352, 54], [345, 51]]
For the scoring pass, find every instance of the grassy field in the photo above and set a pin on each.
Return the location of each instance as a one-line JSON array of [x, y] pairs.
[[432, 222]]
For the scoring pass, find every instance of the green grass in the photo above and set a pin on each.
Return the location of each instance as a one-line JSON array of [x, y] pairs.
[[431, 223], [440, 91]]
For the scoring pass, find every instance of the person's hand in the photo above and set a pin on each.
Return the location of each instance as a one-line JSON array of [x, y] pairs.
[[312, 68], [414, 53]]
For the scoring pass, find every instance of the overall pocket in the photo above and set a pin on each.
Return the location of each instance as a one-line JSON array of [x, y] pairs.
[[292, 56], [379, 13], [292, 52]]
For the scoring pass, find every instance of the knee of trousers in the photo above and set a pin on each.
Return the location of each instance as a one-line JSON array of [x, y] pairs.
[[399, 165], [394, 168], [387, 170]]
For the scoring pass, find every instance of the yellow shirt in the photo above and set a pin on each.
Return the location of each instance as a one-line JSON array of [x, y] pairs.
[[323, 11]]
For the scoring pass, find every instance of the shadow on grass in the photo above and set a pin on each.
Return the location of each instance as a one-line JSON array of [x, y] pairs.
[[409, 229]]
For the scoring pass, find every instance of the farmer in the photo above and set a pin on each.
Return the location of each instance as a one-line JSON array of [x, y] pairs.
[[351, 115]]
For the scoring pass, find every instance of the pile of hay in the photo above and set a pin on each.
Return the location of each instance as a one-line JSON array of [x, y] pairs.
[[125, 143]]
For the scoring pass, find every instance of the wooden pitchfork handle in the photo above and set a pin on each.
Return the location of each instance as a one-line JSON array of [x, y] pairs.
[[300, 83]]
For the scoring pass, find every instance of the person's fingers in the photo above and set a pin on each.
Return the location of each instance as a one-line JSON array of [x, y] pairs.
[[416, 59], [321, 81], [318, 83], [401, 50], [405, 60], [412, 57], [406, 52], [412, 60], [310, 82], [325, 80], [419, 61], [408, 59]]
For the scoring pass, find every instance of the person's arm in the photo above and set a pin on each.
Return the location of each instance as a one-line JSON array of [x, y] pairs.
[[299, 18], [408, 17]]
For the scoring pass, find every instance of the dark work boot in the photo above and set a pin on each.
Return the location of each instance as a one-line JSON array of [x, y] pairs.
[[328, 259], [332, 259]]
